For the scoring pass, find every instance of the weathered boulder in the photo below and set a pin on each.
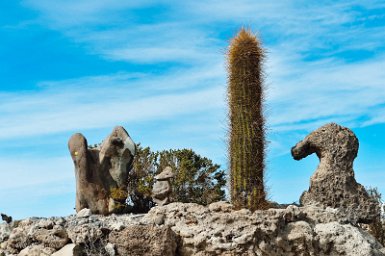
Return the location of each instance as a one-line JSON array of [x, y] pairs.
[[85, 233], [102, 172], [37, 250], [5, 231], [67, 250], [18, 240], [84, 213], [162, 188], [144, 240], [110, 249], [220, 230], [333, 183], [54, 238]]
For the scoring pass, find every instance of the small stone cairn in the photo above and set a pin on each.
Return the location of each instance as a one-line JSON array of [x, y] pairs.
[[162, 188]]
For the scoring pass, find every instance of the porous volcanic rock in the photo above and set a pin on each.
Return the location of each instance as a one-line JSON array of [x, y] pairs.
[[37, 250], [191, 229], [144, 240], [333, 183]]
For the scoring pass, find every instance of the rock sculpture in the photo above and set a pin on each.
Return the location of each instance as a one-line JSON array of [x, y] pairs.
[[162, 188], [333, 183], [102, 172]]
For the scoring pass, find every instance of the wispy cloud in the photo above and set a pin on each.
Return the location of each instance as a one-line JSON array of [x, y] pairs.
[[28, 183], [65, 106], [53, 169], [331, 91], [324, 63], [308, 65], [306, 78], [72, 13]]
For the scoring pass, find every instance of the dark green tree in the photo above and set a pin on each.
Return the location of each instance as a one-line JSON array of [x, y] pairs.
[[141, 179], [197, 179]]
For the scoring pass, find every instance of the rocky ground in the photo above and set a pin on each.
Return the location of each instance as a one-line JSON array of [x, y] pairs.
[[191, 229]]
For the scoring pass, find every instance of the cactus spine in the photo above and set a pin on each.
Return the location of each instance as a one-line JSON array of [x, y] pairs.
[[247, 138]]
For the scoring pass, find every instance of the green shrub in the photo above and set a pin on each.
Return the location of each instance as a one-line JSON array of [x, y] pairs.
[[197, 179]]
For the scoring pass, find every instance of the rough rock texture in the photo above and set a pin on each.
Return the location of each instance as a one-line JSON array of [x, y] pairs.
[[333, 183], [162, 189], [5, 231], [141, 240], [191, 229], [36, 250], [102, 173]]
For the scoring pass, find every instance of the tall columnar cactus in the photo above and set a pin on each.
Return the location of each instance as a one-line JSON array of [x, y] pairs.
[[247, 138]]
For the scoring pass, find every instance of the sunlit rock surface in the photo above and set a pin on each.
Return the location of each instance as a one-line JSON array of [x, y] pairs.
[[191, 229]]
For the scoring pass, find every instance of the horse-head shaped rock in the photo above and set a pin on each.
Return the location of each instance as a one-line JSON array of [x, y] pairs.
[[102, 172], [333, 183]]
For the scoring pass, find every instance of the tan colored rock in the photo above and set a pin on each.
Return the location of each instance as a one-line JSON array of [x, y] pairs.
[[220, 230], [37, 250], [84, 234], [5, 231], [162, 189], [165, 174], [144, 240], [18, 240], [191, 229], [84, 213], [67, 250], [333, 183], [54, 238], [102, 173], [344, 240], [110, 249]]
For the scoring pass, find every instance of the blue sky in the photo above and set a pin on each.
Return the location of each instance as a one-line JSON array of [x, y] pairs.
[[159, 69]]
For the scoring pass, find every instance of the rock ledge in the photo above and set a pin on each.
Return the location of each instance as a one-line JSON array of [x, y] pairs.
[[191, 229]]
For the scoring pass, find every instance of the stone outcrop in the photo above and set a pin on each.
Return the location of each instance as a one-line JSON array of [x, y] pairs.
[[162, 189], [333, 183], [102, 172], [191, 229]]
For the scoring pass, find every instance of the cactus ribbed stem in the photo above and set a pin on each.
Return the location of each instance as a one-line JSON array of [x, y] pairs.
[[247, 138]]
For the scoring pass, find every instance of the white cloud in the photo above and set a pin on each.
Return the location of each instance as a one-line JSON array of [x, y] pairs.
[[66, 13], [310, 80], [37, 186], [149, 54], [88, 103], [20, 172], [332, 91], [301, 94]]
